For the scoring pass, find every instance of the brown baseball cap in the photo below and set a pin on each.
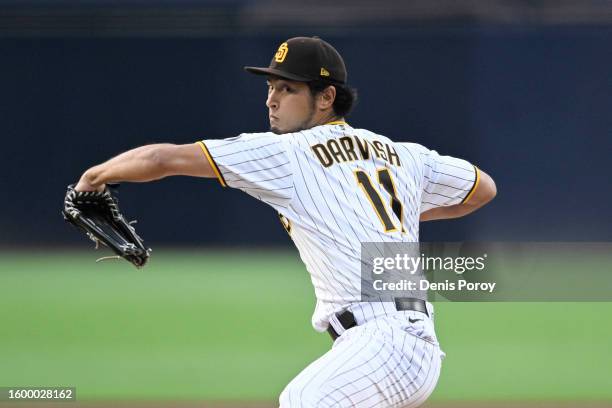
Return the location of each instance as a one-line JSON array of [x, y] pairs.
[[305, 59]]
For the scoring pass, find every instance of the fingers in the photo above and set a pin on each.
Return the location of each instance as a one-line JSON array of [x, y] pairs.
[[83, 185]]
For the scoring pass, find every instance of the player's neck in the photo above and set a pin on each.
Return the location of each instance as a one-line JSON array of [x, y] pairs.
[[328, 118]]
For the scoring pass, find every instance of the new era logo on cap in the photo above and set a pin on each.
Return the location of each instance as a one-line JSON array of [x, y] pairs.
[[305, 59]]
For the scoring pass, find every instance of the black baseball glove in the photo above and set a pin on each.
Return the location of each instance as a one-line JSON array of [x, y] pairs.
[[98, 215]]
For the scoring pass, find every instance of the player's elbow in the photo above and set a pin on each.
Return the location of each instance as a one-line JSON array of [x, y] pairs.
[[493, 190], [487, 190]]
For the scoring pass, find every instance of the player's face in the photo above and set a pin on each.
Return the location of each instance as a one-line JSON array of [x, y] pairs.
[[291, 106]]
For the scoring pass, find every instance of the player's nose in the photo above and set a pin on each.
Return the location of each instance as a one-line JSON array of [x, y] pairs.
[[271, 101]]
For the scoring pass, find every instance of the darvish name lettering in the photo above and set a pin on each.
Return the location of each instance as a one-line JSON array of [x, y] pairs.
[[351, 148]]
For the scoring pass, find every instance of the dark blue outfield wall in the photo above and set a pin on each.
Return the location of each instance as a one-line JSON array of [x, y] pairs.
[[530, 106]]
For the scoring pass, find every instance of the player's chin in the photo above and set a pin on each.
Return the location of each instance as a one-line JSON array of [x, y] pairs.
[[275, 129], [279, 131]]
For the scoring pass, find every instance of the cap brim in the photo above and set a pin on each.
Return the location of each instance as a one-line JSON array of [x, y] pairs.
[[276, 72]]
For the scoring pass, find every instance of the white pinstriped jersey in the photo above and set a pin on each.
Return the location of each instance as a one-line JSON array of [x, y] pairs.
[[336, 187]]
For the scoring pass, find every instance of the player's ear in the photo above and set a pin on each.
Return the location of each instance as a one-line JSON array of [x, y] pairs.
[[326, 97]]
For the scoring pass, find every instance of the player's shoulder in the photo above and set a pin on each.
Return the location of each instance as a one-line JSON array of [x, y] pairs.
[[259, 145], [410, 147], [371, 135], [319, 133], [367, 134], [252, 137], [301, 139], [324, 132], [414, 147]]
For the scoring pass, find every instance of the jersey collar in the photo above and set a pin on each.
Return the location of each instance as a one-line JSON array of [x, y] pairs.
[[337, 122]]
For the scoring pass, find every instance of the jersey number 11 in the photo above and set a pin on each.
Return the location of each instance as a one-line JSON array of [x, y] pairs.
[[385, 179]]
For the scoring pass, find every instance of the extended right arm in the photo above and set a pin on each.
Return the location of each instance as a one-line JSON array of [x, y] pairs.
[[148, 163]]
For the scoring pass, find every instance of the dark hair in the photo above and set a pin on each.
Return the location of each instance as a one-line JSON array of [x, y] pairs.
[[346, 97]]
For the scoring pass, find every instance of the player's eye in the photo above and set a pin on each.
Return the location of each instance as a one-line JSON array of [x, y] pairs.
[[280, 88]]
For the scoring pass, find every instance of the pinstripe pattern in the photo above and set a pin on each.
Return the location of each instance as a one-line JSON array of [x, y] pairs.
[[329, 214], [382, 362]]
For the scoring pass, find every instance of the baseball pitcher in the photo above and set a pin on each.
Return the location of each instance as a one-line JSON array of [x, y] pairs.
[[334, 187]]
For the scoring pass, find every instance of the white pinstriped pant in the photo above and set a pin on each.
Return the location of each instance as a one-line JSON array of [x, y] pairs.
[[384, 362]]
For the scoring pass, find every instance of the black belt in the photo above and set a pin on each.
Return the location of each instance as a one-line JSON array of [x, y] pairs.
[[347, 319]]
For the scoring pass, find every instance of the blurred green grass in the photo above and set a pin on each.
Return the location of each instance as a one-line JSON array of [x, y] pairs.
[[214, 325]]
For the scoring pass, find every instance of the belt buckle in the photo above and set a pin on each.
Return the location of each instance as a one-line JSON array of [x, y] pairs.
[[416, 305]]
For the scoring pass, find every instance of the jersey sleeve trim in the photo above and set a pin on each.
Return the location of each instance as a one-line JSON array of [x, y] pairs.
[[212, 163], [474, 186]]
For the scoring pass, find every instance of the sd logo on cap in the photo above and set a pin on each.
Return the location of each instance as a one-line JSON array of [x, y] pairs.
[[281, 53]]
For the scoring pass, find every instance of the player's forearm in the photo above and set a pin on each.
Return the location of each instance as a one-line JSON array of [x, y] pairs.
[[145, 163]]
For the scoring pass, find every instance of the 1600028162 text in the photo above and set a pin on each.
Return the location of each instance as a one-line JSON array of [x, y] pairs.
[[37, 393]]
